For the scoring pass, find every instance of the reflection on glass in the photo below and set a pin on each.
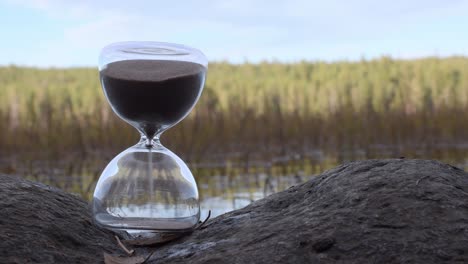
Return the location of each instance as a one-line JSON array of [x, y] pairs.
[[151, 86]]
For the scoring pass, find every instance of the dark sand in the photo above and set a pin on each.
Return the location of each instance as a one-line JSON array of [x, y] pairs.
[[152, 93]]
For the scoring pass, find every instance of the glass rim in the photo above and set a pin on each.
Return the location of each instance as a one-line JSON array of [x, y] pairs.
[[154, 49]]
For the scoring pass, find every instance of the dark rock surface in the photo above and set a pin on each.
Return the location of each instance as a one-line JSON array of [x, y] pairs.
[[41, 224], [375, 211]]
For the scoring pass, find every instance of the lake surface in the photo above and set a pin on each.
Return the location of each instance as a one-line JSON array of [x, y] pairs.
[[223, 186]]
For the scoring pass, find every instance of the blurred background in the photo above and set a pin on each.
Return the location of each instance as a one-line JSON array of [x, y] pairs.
[[294, 88]]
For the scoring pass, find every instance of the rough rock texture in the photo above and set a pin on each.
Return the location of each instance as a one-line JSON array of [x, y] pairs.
[[41, 224], [375, 211]]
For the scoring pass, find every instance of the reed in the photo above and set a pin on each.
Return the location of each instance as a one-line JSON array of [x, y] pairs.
[[253, 112]]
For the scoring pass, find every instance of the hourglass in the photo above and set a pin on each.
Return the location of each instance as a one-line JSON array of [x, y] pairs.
[[151, 86]]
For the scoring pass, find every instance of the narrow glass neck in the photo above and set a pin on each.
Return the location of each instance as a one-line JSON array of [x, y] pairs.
[[149, 142]]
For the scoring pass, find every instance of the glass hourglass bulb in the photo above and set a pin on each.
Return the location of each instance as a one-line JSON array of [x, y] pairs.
[[152, 86]]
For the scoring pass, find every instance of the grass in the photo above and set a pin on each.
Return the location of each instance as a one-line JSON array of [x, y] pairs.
[[268, 117]]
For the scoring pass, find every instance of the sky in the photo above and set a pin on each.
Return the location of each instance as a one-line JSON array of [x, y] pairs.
[[68, 33]]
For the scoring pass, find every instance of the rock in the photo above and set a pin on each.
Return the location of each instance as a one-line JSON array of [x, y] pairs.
[[375, 211], [42, 224], [382, 211]]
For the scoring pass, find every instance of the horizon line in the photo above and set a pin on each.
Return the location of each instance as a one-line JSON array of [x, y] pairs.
[[267, 61]]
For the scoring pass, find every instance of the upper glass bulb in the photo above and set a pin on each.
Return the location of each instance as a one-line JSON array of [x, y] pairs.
[[152, 85]]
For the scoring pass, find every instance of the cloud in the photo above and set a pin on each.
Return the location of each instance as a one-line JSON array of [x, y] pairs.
[[256, 30]]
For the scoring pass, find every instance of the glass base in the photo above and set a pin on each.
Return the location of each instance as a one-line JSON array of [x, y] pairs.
[[146, 189], [142, 224]]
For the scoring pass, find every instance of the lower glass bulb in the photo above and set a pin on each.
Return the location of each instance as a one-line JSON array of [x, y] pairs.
[[146, 189]]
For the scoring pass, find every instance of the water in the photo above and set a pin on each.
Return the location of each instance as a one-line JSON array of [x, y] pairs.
[[223, 186]]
